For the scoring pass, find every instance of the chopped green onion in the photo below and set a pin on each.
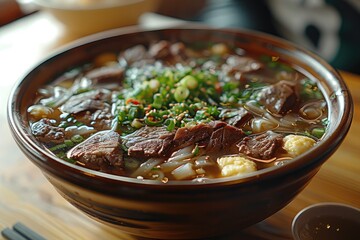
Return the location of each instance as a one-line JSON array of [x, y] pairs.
[[195, 151], [77, 138], [154, 84], [213, 111], [325, 122], [136, 123], [158, 100], [58, 147], [171, 125], [181, 93], [200, 115], [189, 82], [122, 116], [318, 132], [154, 119], [135, 112], [69, 143], [248, 132]]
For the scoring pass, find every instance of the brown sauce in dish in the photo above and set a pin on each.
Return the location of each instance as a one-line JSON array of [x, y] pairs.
[[330, 228]]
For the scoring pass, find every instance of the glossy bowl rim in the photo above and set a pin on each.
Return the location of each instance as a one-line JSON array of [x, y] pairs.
[[302, 161]]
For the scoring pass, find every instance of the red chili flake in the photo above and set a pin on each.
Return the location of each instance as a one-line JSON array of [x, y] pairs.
[[218, 87], [133, 101]]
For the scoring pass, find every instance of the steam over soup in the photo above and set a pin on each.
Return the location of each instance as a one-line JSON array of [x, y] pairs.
[[170, 111]]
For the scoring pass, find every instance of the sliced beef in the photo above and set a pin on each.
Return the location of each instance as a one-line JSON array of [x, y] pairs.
[[217, 124], [237, 118], [88, 101], [99, 151], [224, 137], [46, 131], [263, 146], [149, 142], [178, 49], [187, 136], [231, 135], [279, 98], [168, 53], [160, 50], [99, 119], [240, 64], [135, 54], [158, 142], [112, 73]]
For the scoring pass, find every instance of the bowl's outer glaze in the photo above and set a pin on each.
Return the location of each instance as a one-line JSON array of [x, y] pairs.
[[180, 210]]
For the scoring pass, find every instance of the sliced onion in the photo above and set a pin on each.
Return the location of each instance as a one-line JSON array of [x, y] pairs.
[[185, 171], [171, 165], [204, 161], [157, 175], [252, 107], [80, 84], [181, 154], [312, 110], [146, 167], [261, 125], [60, 96]]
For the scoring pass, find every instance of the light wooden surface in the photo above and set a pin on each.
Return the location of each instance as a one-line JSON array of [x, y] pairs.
[[26, 196]]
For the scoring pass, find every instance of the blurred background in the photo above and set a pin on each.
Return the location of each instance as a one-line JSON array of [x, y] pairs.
[[329, 28]]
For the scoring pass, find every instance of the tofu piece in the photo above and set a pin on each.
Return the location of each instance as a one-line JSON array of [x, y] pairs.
[[297, 144], [235, 165]]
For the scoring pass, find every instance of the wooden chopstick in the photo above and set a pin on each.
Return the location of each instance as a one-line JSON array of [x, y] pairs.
[[21, 232]]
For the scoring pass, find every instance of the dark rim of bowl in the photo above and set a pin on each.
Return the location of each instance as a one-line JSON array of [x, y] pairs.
[[311, 159]]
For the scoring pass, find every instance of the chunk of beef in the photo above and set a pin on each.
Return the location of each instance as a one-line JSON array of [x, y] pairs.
[[99, 151], [135, 54], [240, 64], [112, 73], [217, 124], [187, 136], [149, 142], [237, 118], [160, 50], [224, 137], [178, 49], [279, 98], [263, 146], [88, 101], [158, 142], [99, 119], [46, 131]]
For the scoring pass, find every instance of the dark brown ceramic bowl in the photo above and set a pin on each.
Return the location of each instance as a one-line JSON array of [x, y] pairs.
[[180, 210]]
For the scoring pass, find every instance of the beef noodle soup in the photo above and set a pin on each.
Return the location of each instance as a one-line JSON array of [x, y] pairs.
[[171, 111]]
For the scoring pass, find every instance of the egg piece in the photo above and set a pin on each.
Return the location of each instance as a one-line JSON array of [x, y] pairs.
[[235, 165], [297, 144]]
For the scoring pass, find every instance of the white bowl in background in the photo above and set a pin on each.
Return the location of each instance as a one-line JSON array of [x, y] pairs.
[[83, 17]]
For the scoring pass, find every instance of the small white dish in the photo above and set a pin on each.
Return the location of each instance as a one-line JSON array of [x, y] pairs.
[[330, 221]]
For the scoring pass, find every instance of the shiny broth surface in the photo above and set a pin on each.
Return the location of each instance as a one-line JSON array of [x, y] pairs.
[[176, 111]]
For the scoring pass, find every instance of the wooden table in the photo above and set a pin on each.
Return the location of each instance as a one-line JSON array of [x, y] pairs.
[[26, 196]]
